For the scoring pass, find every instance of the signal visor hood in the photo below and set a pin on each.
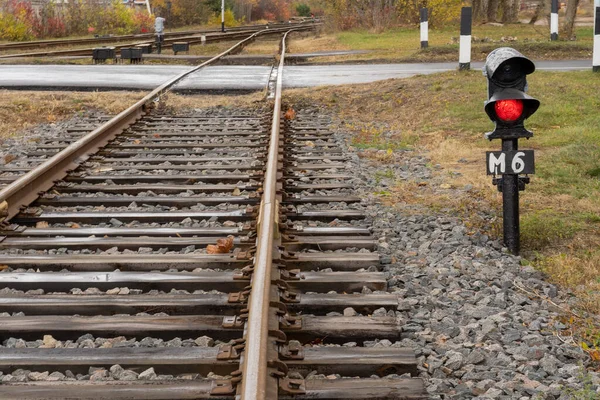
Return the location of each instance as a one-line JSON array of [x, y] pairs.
[[502, 55]]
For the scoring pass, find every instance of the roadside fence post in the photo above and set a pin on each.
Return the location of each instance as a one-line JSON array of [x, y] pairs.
[[464, 58], [596, 54], [554, 21], [424, 29]]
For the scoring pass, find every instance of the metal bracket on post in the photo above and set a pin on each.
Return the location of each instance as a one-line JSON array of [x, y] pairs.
[[523, 181]]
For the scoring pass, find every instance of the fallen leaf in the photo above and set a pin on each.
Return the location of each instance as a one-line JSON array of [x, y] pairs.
[[75, 225], [156, 135], [290, 114], [236, 192], [3, 267], [137, 141], [42, 224], [445, 186], [8, 158], [212, 249], [223, 246], [308, 143]]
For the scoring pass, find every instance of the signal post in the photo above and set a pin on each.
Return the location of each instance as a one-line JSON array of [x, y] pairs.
[[508, 106]]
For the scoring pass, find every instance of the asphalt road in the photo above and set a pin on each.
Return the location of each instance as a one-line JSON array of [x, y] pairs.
[[105, 77]]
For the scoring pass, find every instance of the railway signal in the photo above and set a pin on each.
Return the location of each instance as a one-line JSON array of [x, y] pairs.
[[508, 106]]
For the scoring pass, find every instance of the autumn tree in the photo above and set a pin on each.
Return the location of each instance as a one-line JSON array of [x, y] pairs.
[[567, 30], [303, 10]]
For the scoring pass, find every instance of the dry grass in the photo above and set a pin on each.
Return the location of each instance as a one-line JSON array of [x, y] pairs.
[[403, 44], [177, 102], [309, 43], [23, 109], [264, 46]]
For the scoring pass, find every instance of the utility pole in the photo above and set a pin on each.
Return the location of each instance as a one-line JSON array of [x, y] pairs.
[[222, 15]]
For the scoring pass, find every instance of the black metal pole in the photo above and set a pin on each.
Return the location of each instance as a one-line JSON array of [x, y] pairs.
[[510, 203]]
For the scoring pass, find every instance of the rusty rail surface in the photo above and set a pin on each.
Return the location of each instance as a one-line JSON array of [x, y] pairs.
[[257, 383], [25, 189]]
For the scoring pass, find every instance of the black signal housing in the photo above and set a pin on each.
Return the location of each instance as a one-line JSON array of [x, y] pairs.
[[506, 70]]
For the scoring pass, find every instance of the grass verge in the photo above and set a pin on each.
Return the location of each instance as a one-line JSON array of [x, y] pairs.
[[443, 115], [23, 109], [403, 44]]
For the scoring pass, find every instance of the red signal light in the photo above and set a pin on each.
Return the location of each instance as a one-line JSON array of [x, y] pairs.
[[509, 110]]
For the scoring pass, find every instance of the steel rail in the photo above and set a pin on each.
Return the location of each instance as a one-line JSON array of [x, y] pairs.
[[120, 38], [25, 189], [254, 385], [88, 51], [190, 39]]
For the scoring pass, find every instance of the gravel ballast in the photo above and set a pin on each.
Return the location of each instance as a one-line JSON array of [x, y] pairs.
[[469, 308]]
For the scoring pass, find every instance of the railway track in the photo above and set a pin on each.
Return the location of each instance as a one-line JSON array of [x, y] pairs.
[[144, 37], [191, 39], [204, 254]]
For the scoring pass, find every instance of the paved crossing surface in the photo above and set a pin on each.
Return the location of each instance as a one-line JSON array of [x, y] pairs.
[[106, 77]]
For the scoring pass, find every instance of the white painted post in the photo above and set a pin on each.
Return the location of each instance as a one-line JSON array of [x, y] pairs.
[[222, 15], [464, 57], [554, 20], [596, 54], [425, 28]]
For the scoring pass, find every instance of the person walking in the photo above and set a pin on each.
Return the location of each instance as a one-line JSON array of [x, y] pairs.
[[159, 29]]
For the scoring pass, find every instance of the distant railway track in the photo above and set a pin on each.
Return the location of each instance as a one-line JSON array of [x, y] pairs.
[[191, 39], [111, 291], [144, 37]]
